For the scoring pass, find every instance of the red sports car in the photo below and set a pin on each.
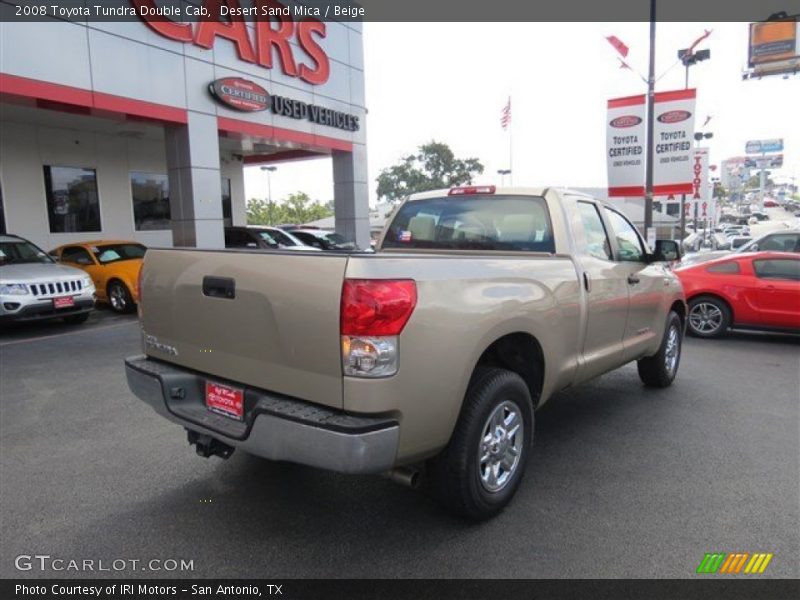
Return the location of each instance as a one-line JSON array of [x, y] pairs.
[[755, 290]]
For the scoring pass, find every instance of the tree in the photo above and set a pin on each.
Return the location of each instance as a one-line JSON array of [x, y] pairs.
[[433, 167], [297, 208]]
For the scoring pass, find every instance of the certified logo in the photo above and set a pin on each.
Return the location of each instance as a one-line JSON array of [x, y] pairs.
[[625, 121], [240, 94], [674, 116]]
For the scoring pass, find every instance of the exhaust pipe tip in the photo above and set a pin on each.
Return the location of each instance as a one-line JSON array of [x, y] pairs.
[[405, 476]]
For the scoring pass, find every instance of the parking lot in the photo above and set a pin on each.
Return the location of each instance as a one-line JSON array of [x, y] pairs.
[[624, 481]]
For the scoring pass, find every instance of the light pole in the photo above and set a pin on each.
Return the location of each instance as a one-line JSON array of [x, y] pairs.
[[269, 170], [503, 173], [651, 83]]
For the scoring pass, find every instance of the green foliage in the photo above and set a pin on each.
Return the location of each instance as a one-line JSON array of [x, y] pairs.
[[297, 208], [433, 167]]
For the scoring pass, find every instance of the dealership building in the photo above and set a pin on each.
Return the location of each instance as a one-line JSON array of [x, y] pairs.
[[141, 129]]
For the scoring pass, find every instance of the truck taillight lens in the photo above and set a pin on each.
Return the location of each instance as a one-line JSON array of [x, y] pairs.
[[375, 307], [139, 291], [373, 314]]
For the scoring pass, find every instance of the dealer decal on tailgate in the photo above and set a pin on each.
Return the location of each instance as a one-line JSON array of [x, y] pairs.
[[225, 400]]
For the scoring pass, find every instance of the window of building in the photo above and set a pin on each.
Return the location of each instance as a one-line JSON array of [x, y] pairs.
[[227, 215], [73, 204], [674, 209], [150, 192], [597, 243], [629, 243]]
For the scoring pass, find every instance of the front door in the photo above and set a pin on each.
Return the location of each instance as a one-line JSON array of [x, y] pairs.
[[646, 283], [778, 291]]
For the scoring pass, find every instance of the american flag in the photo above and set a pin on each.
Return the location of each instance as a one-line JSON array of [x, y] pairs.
[[405, 236], [505, 119]]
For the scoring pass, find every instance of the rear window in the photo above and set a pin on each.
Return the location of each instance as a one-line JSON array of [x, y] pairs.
[[510, 223]]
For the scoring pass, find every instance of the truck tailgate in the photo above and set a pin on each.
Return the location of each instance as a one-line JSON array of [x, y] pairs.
[[279, 331]]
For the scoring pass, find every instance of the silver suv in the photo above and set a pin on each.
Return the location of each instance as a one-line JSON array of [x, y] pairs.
[[34, 287]]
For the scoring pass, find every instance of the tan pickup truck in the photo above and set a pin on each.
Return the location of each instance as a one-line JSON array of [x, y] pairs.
[[429, 355]]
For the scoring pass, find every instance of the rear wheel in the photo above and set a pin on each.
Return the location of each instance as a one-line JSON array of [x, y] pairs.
[[479, 471], [709, 317], [119, 297], [660, 369]]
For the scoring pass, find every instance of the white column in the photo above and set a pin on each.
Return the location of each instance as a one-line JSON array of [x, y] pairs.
[[195, 193], [351, 194]]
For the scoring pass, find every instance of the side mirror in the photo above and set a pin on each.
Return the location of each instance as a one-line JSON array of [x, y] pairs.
[[667, 251], [754, 248]]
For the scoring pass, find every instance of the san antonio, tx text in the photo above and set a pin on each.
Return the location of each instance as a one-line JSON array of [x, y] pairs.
[[236, 591]]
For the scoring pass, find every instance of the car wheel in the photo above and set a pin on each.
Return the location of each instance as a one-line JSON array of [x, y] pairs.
[[709, 317], [76, 319], [660, 369], [479, 471], [119, 297]]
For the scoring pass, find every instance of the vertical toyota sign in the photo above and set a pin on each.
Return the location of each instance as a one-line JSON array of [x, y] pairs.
[[625, 146], [673, 134], [699, 201]]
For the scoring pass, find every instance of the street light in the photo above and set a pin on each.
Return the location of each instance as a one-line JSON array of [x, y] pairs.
[[503, 173], [269, 170]]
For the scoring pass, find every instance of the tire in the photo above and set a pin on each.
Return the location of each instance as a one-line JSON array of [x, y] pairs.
[[119, 297], [660, 369], [708, 317], [76, 319], [458, 479]]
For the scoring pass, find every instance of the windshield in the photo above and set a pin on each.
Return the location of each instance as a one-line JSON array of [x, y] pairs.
[[116, 252], [21, 252], [516, 223], [335, 238]]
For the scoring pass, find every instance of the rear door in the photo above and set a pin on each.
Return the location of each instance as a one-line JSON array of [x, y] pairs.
[[606, 291], [646, 285], [264, 319], [778, 291]]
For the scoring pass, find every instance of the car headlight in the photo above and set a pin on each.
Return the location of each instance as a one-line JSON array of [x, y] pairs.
[[13, 289], [87, 283]]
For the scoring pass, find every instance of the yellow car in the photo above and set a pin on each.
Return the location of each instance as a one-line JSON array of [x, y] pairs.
[[113, 265]]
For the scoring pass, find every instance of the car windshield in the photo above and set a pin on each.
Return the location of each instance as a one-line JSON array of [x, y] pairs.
[[19, 252], [335, 238], [475, 222], [110, 253]]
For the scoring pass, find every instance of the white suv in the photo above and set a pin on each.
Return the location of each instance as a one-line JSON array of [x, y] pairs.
[[34, 287]]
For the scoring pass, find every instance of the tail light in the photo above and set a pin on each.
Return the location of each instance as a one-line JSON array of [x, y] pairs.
[[470, 190], [373, 313], [139, 291]]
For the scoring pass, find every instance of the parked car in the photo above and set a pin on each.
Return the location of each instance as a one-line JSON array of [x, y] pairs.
[[266, 238], [34, 287], [113, 266], [737, 241], [759, 216], [324, 240], [754, 290], [768, 203], [780, 241], [495, 298]]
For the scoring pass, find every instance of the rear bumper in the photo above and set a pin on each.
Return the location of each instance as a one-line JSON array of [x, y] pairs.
[[275, 427]]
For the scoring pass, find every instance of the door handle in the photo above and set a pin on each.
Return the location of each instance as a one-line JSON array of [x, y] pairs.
[[219, 287], [633, 279], [586, 283]]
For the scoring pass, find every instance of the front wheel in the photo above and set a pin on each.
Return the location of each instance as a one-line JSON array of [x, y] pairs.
[[660, 369], [479, 471], [120, 297], [709, 317]]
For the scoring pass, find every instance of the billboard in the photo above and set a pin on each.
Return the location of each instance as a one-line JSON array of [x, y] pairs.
[[761, 146], [625, 146], [699, 201], [774, 161], [673, 135], [772, 41]]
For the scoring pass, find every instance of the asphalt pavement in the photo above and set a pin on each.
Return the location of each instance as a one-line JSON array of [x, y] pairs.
[[623, 482]]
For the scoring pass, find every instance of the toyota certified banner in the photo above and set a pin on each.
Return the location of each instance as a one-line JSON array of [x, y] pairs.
[[699, 201], [625, 146], [673, 135], [673, 132]]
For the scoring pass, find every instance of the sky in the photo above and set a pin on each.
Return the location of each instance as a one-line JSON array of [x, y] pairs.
[[450, 81]]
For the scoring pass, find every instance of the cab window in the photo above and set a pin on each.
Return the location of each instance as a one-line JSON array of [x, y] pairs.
[[629, 243], [594, 232]]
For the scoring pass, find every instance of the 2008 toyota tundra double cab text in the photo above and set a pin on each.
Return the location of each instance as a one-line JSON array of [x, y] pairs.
[[479, 304]]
